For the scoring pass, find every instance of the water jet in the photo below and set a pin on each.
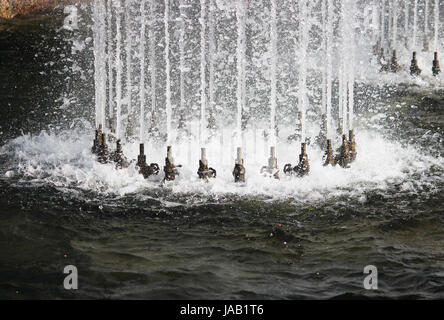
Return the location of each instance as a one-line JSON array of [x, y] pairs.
[[414, 69], [435, 69], [170, 169], [343, 156]]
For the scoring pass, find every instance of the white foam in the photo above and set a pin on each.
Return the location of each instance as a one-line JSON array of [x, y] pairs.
[[65, 160]]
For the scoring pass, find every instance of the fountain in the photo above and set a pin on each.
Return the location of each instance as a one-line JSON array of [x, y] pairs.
[[213, 89]]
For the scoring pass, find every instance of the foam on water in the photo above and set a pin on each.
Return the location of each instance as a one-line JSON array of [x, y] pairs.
[[65, 161]]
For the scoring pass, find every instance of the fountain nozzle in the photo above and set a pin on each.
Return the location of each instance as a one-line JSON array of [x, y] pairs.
[[352, 144], [118, 157], [170, 169], [394, 66], [414, 69], [272, 167], [435, 69], [328, 156], [204, 172], [303, 167], [239, 169], [144, 169], [343, 156]]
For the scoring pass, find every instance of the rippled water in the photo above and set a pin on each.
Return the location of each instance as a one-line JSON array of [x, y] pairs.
[[293, 238]]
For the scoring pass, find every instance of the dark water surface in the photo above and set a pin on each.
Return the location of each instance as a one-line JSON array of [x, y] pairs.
[[231, 247]]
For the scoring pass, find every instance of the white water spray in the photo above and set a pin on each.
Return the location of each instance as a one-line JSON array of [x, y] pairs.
[[167, 71], [142, 72], [273, 56]]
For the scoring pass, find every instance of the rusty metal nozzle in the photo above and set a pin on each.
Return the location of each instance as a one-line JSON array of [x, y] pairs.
[[414, 69], [352, 145], [103, 153], [144, 169], [118, 157], [303, 168], [328, 156], [170, 169], [340, 130], [239, 169], [204, 172], [111, 126], [97, 140], [394, 66], [272, 167], [343, 156]]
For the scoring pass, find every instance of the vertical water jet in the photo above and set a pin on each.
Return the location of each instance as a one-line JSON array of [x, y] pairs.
[[167, 71]]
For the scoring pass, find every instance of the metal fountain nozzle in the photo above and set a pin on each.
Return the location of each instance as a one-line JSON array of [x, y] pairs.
[[352, 145], [303, 167], [145, 169], [170, 169], [435, 69], [272, 167], [414, 69], [118, 157], [328, 155], [204, 172], [394, 66], [343, 157], [239, 169], [97, 140]]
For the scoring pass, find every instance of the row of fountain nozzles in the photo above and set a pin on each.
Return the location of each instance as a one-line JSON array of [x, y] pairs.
[[101, 149], [393, 65], [345, 155]]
